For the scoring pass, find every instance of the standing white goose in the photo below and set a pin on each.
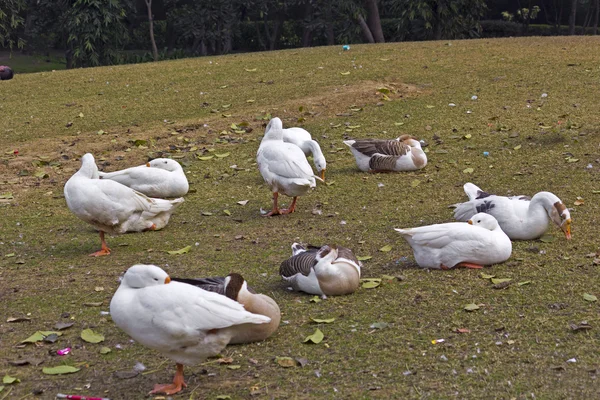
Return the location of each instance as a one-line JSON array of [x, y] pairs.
[[284, 167], [326, 270], [184, 323], [456, 244], [235, 287], [520, 217], [302, 138], [382, 155], [111, 207], [161, 177]]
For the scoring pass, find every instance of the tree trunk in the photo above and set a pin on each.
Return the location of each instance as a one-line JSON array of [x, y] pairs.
[[572, 17], [151, 21], [365, 29], [306, 29], [374, 21], [588, 17], [277, 25], [597, 2], [329, 26]]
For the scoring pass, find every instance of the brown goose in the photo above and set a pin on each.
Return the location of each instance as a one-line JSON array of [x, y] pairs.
[[326, 270], [378, 155], [235, 287]]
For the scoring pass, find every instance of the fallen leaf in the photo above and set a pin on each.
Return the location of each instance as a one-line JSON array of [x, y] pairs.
[[345, 73], [250, 70], [415, 183], [579, 201], [583, 326], [184, 250], [383, 90], [234, 366], [90, 336], [364, 258], [468, 170], [486, 276], [105, 350], [62, 369], [589, 297], [500, 280], [205, 158], [370, 283], [388, 277], [206, 213], [471, 307], [285, 362], [243, 202], [572, 160], [17, 319], [517, 147], [379, 325], [315, 299], [226, 212], [386, 248], [462, 330], [523, 283], [315, 338], [39, 336], [221, 155], [222, 397], [7, 380], [98, 289], [547, 238], [322, 321]]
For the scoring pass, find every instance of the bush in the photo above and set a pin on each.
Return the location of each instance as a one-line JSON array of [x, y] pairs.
[[498, 28]]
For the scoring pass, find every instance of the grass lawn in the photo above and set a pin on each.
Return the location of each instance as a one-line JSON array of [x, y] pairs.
[[519, 342]]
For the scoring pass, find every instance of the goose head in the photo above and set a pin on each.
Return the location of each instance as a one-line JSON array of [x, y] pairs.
[[140, 276], [274, 129], [558, 212], [326, 253], [164, 163], [320, 164], [410, 140], [234, 284], [484, 220]]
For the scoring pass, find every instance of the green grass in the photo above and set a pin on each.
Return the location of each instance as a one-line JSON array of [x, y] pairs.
[[24, 63], [520, 338]]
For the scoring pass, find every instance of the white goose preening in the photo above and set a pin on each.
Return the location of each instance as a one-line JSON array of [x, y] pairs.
[[284, 167], [520, 217], [111, 207], [479, 242], [235, 287], [184, 323], [302, 138], [326, 270], [383, 155], [161, 177]]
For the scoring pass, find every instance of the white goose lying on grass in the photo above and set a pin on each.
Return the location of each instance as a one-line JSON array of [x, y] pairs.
[[479, 242], [184, 323], [384, 155], [284, 167], [302, 138], [326, 270], [520, 217], [112, 207], [161, 177], [234, 286]]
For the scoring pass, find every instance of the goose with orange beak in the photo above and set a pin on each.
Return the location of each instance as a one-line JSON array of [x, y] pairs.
[[183, 322], [520, 217], [455, 244]]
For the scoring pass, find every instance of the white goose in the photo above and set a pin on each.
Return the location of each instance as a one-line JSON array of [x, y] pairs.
[[520, 217], [383, 155], [457, 244], [328, 270], [111, 207], [184, 323], [235, 287], [161, 177], [284, 167], [302, 138]]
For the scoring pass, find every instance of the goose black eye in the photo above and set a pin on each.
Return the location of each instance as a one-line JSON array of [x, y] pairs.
[[478, 220], [156, 279]]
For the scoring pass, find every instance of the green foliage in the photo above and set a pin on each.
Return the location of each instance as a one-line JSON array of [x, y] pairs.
[[10, 21], [96, 31]]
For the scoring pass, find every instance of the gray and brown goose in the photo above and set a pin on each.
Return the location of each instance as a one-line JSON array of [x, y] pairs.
[[234, 286], [326, 270], [383, 155]]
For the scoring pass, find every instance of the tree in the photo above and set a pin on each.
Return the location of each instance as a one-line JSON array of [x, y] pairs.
[[572, 17], [96, 32], [151, 22], [10, 21]]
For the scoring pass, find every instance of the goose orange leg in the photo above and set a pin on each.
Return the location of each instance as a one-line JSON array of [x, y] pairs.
[[104, 251], [469, 265], [291, 208], [275, 210], [171, 388]]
